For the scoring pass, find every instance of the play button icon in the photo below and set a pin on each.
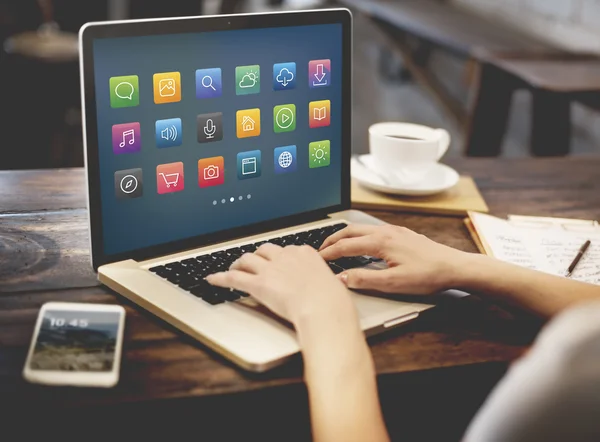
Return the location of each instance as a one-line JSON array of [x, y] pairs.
[[284, 118]]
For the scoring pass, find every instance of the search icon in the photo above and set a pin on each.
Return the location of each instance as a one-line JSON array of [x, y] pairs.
[[207, 82]]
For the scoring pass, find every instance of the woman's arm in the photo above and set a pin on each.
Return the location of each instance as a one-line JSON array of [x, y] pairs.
[[298, 285], [419, 265], [340, 377], [543, 294]]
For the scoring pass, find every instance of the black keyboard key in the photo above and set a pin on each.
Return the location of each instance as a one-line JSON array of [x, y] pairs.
[[240, 293], [289, 240], [208, 293], [161, 271], [230, 296], [352, 262], [189, 282], [174, 278], [277, 241], [302, 237], [213, 299], [222, 255], [202, 287], [204, 272], [175, 266], [234, 253], [216, 295], [335, 268], [338, 227], [362, 260], [249, 248]]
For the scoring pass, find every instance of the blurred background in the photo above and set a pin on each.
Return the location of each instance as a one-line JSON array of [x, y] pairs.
[[454, 64]]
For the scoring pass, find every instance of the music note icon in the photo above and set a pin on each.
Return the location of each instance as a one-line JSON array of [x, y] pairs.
[[126, 138], [128, 133]]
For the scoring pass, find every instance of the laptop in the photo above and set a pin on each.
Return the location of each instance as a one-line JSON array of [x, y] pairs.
[[206, 137]]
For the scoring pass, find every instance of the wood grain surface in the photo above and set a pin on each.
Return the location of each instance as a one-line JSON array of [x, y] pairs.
[[44, 257]]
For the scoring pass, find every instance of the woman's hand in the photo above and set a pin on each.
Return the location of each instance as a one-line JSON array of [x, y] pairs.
[[294, 282], [417, 265]]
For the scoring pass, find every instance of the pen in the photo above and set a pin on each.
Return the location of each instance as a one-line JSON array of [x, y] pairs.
[[580, 254]]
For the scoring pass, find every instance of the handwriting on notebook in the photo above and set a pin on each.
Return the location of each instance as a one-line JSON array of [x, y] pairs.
[[510, 247], [539, 246]]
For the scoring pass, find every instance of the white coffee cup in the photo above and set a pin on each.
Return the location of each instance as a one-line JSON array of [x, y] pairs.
[[404, 153]]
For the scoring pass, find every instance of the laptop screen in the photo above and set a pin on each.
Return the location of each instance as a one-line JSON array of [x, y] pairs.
[[204, 132]]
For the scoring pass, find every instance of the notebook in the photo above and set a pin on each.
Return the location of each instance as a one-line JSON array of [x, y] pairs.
[[457, 201], [545, 244]]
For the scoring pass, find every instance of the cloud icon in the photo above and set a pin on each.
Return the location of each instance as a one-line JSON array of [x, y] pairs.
[[248, 80], [285, 77]]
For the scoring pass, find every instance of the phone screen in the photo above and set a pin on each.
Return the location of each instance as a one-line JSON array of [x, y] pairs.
[[71, 340]]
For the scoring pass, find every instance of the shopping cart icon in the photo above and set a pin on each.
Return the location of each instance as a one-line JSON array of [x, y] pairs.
[[171, 179]]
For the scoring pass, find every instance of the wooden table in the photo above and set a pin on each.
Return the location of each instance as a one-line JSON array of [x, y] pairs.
[[412, 29], [554, 83], [439, 369]]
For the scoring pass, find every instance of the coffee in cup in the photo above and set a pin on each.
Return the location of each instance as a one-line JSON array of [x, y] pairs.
[[404, 153]]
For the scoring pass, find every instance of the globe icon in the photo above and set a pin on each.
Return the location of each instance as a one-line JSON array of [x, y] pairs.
[[285, 159]]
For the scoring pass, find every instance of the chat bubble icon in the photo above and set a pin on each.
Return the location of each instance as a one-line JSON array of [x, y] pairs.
[[124, 91]]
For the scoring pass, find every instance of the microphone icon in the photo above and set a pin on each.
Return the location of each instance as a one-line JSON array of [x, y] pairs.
[[210, 129]]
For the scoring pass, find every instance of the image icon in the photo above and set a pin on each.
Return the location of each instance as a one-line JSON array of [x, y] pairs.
[[210, 127], [248, 123], [211, 172], [319, 113], [319, 154], [169, 133], [167, 87], [249, 164], [319, 73], [124, 91], [284, 76], [169, 178], [284, 118], [128, 183], [285, 159], [209, 83], [247, 80], [126, 138]]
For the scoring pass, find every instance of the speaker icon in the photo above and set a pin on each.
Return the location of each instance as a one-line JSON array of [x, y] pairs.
[[169, 133]]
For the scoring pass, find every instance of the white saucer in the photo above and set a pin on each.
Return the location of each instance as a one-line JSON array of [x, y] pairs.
[[438, 179]]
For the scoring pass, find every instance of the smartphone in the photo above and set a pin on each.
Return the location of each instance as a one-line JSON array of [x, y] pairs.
[[76, 344]]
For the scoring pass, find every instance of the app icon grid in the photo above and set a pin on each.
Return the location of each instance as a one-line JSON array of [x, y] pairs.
[[167, 87]]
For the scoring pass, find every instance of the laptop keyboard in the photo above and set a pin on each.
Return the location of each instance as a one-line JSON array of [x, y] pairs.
[[189, 273]]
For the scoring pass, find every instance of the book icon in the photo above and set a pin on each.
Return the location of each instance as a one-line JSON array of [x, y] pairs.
[[320, 113]]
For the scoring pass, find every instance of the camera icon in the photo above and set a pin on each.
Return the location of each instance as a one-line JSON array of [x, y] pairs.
[[211, 172]]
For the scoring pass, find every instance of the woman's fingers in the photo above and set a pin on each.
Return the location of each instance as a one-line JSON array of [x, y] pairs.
[[364, 245], [365, 279], [250, 263], [352, 231], [269, 251], [234, 279]]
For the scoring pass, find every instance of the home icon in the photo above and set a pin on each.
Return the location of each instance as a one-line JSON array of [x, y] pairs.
[[248, 124]]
